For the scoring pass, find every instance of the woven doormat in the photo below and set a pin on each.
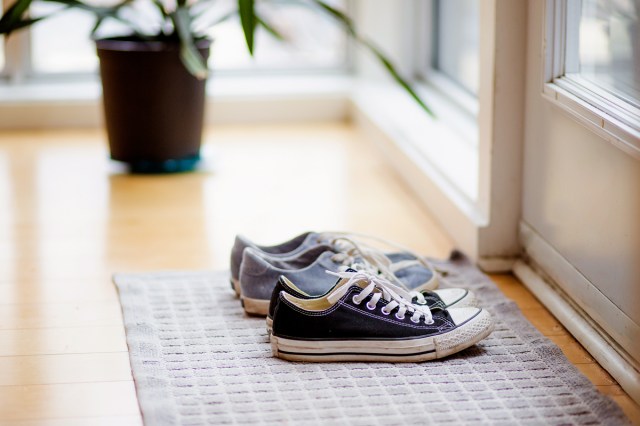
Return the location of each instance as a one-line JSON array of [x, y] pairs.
[[197, 359]]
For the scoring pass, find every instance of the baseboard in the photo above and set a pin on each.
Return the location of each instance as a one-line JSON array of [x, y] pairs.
[[603, 349], [584, 294], [497, 265]]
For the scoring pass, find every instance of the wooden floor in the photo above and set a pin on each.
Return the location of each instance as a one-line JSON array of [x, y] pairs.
[[69, 219]]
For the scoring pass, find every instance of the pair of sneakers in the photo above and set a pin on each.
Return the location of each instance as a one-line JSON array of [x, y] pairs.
[[265, 275], [304, 259]]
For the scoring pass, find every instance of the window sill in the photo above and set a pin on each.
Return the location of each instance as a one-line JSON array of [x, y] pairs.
[[447, 145], [60, 103], [439, 162]]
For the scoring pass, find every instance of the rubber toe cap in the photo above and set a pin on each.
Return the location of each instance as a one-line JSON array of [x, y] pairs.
[[462, 315]]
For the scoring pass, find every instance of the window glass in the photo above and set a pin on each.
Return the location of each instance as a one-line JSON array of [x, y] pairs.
[[608, 37], [312, 40], [62, 44], [456, 43]]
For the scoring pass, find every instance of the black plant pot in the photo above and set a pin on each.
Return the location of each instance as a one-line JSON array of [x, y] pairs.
[[154, 108]]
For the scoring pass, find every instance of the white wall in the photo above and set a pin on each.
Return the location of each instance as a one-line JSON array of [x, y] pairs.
[[581, 197]]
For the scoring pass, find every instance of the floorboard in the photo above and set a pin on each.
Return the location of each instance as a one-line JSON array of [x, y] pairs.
[[70, 218]]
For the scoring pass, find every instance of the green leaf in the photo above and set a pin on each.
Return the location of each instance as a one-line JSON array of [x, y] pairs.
[[388, 65], [164, 16], [219, 20], [160, 8], [188, 52], [96, 26], [12, 19], [28, 22], [246, 8], [397, 77], [339, 15], [270, 29], [99, 11]]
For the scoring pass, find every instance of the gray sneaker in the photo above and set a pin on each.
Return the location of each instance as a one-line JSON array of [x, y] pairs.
[[288, 249], [403, 267], [259, 275]]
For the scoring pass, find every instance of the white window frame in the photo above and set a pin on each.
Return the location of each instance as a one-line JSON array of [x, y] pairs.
[[612, 118], [483, 226], [455, 108], [425, 38]]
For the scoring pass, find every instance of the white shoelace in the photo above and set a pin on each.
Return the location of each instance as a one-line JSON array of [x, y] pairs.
[[374, 261], [381, 288], [333, 237]]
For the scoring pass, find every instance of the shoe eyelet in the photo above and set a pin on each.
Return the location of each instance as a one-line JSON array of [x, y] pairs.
[[371, 308], [384, 311], [400, 318], [430, 322], [415, 321], [356, 301]]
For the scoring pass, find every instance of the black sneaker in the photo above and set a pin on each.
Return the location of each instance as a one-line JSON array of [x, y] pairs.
[[434, 299], [366, 318]]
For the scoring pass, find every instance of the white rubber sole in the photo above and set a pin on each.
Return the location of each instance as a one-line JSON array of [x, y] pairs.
[[256, 307], [412, 350], [269, 326]]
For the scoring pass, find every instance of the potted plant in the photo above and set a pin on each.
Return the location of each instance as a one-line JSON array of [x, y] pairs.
[[154, 81]]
